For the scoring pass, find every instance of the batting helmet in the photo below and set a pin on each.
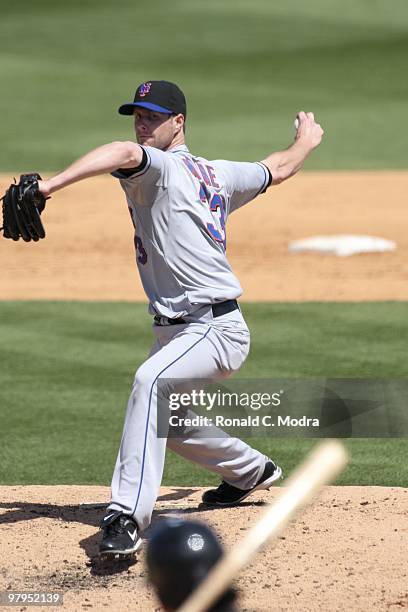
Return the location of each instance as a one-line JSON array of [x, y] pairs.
[[179, 556]]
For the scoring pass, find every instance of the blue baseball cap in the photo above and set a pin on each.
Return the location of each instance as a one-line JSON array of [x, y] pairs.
[[159, 96]]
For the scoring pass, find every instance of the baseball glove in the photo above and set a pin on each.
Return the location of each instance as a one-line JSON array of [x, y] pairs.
[[23, 204]]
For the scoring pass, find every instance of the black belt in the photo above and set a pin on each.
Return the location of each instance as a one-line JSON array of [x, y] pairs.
[[222, 308], [219, 309]]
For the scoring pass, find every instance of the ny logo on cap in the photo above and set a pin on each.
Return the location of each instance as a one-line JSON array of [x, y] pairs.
[[144, 89]]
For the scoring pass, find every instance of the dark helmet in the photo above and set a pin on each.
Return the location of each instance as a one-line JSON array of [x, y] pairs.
[[179, 555]]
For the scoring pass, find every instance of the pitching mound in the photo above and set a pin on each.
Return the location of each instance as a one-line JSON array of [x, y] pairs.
[[347, 552]]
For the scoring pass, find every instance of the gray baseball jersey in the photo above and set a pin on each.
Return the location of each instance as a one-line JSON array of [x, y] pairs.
[[179, 205]]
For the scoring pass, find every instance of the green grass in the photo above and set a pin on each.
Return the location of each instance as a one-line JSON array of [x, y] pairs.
[[67, 367], [246, 67]]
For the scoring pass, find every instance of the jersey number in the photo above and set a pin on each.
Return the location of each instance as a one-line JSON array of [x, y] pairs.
[[217, 207], [141, 254]]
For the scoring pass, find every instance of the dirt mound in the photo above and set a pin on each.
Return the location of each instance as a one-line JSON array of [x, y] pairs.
[[89, 254], [347, 552]]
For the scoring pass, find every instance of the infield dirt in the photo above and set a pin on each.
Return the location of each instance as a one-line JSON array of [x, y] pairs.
[[88, 253]]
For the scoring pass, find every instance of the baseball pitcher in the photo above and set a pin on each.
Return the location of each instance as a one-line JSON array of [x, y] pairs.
[[179, 204]]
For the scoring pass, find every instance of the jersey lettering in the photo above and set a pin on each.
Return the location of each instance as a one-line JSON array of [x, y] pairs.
[[202, 173], [212, 177], [191, 166]]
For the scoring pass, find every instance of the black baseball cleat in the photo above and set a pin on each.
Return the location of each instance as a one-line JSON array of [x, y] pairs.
[[228, 495], [120, 535]]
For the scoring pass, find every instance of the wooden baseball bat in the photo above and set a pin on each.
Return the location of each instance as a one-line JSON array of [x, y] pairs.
[[320, 467]]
